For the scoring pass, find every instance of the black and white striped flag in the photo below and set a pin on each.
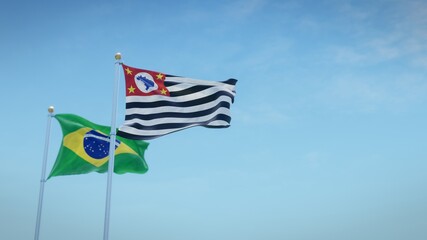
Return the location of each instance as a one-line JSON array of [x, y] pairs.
[[158, 104]]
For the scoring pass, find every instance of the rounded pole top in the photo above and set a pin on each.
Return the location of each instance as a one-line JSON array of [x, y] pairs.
[[51, 109], [118, 56]]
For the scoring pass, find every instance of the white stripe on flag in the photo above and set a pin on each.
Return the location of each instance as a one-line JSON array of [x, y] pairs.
[[154, 110], [157, 121]]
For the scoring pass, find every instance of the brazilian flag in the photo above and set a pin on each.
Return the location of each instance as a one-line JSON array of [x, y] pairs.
[[85, 148]]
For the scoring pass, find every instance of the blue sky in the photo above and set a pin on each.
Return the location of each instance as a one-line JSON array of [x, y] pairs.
[[328, 136]]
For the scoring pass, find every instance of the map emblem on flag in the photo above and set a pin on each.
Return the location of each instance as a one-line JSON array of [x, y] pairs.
[[145, 82]]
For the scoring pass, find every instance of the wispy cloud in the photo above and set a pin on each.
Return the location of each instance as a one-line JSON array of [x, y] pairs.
[[245, 8], [270, 54], [389, 32], [367, 94], [355, 95], [352, 11], [387, 37], [262, 114]]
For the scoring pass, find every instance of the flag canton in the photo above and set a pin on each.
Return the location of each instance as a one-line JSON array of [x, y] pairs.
[[140, 82]]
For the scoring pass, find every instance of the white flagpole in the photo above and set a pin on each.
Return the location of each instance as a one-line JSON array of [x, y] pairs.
[[118, 57], [43, 176]]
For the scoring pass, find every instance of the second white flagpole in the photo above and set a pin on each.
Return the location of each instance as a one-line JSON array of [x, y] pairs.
[[112, 149], [43, 175]]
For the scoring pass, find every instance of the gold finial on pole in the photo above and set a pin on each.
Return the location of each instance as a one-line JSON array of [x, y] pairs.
[[51, 109], [118, 56]]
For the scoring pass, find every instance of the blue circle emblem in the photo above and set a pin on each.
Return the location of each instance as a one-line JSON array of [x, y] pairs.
[[97, 145]]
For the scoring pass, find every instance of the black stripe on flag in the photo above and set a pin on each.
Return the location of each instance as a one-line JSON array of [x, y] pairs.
[[189, 90], [178, 114], [164, 126], [174, 127]]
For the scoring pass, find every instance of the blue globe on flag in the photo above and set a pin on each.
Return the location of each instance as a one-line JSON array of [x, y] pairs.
[[97, 145]]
